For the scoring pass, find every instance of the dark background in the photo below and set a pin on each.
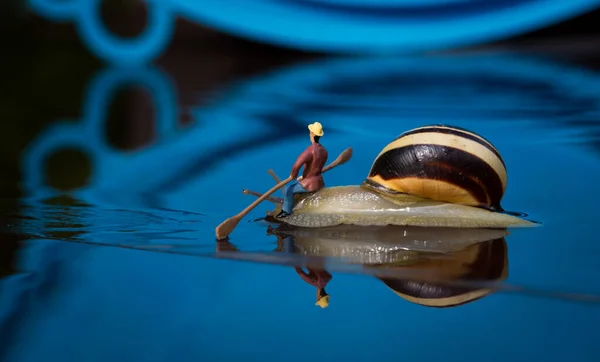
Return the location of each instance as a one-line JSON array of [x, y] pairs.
[[46, 69]]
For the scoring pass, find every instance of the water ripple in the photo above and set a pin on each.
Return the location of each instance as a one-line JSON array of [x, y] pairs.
[[82, 222]]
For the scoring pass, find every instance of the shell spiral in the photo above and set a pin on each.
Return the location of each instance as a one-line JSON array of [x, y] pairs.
[[444, 163]]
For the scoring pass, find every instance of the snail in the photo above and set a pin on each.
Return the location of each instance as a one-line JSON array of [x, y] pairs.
[[432, 176]]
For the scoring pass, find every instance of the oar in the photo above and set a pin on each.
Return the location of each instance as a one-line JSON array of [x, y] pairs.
[[227, 226], [275, 200], [277, 180]]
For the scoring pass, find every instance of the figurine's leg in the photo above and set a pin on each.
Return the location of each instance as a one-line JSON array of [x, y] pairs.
[[275, 200], [288, 244], [288, 199], [288, 202]]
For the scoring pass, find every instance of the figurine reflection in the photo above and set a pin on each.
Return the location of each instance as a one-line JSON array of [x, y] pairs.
[[418, 264], [319, 279]]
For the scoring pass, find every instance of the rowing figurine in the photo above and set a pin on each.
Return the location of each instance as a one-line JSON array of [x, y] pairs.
[[313, 159], [431, 176]]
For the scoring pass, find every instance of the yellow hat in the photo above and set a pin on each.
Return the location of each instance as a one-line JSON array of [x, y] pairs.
[[323, 302], [316, 128]]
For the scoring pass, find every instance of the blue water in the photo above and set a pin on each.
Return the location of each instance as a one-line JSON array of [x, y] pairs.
[[126, 266]]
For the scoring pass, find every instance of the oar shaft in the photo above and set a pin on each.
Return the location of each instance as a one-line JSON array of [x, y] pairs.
[[263, 197], [272, 199]]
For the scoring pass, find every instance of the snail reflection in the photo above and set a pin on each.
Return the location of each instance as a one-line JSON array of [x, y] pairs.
[[432, 267]]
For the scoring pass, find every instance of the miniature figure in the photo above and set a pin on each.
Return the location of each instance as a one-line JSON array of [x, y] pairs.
[[319, 279], [313, 159]]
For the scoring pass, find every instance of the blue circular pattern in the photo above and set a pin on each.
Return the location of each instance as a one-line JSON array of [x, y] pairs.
[[361, 26], [380, 25], [114, 49]]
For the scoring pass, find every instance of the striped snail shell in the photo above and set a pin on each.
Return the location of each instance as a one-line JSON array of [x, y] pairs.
[[444, 163]]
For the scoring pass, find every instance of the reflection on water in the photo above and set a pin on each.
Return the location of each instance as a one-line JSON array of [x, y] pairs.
[[432, 256], [87, 201]]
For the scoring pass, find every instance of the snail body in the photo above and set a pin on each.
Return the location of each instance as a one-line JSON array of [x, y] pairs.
[[432, 176], [357, 205]]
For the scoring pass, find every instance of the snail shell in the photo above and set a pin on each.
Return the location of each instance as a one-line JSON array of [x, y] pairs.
[[444, 163]]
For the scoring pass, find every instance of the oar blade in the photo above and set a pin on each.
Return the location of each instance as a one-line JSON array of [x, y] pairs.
[[226, 227], [341, 159], [345, 155]]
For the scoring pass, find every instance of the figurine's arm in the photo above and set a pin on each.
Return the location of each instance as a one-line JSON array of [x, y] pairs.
[[325, 278], [307, 278], [301, 160]]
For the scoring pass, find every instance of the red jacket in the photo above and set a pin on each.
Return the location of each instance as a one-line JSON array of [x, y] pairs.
[[313, 158]]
